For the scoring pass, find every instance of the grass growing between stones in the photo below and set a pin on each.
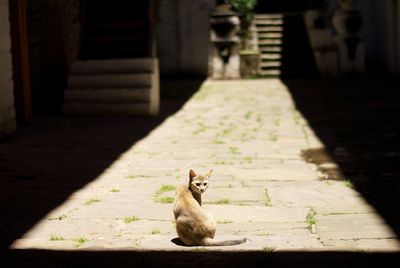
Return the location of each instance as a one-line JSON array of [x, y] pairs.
[[165, 200], [268, 202], [248, 159], [56, 238], [165, 188], [79, 241], [199, 249], [263, 234], [60, 218], [310, 218], [223, 201], [136, 176], [155, 231], [234, 150], [224, 221], [91, 201], [269, 249], [248, 115], [115, 190], [349, 184], [130, 219]]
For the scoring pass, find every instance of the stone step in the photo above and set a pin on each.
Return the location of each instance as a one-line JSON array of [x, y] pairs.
[[113, 66], [261, 29], [110, 80], [99, 108], [272, 73], [263, 35], [270, 64], [269, 42], [267, 49], [115, 95], [269, 16], [271, 56], [270, 22]]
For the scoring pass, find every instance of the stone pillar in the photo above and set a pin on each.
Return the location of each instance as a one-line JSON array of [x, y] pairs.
[[7, 110], [347, 21]]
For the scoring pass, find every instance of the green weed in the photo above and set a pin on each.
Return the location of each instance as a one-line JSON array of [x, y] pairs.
[[60, 218], [56, 238], [130, 219], [224, 222], [349, 184], [310, 218], [234, 150], [248, 115], [92, 201], [269, 249], [80, 241], [268, 202], [155, 231], [165, 188], [223, 201], [165, 200]]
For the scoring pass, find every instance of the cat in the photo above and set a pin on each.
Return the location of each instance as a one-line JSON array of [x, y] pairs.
[[194, 225]]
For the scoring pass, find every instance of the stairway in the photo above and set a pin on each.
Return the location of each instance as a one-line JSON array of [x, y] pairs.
[[117, 73], [113, 87], [269, 29], [284, 46]]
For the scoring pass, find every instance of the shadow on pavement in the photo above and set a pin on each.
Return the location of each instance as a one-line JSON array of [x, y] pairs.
[[45, 162], [203, 258], [358, 121]]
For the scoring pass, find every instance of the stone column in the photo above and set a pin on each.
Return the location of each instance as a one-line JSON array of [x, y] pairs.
[[7, 109]]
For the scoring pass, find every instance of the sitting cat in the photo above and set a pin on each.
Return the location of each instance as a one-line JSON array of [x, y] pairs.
[[194, 225]]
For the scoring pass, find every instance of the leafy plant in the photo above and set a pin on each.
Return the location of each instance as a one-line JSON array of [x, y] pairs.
[[246, 8], [243, 6]]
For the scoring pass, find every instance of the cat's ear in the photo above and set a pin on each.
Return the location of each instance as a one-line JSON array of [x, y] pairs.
[[209, 173], [192, 174]]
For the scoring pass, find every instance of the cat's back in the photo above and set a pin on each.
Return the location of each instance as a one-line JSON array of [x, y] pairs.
[[184, 201]]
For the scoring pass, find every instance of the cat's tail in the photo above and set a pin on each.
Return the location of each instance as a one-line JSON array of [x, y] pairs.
[[211, 242]]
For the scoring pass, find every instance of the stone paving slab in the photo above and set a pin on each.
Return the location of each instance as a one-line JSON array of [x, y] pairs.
[[251, 134]]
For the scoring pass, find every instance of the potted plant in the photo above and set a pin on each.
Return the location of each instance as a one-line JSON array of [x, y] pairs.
[[249, 54], [245, 8]]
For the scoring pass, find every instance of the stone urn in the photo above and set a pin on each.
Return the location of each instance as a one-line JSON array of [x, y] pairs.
[[348, 21], [225, 25]]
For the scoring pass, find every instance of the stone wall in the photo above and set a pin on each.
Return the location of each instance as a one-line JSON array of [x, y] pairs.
[[183, 35], [7, 110]]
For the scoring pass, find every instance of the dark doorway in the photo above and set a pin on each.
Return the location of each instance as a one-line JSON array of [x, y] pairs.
[[114, 31], [281, 6]]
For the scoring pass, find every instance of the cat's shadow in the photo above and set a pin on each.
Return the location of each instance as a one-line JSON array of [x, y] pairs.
[[179, 242]]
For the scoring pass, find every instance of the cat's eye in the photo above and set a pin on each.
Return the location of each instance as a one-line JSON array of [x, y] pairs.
[[198, 184], [205, 184]]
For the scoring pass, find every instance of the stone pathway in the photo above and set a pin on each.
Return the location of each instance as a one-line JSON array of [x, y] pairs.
[[252, 136]]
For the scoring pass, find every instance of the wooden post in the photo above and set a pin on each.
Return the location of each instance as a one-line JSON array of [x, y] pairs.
[[20, 61]]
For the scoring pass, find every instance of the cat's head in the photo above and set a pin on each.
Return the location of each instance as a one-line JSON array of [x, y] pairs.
[[199, 183]]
